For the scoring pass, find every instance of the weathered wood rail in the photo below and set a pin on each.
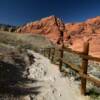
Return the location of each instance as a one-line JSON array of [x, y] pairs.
[[82, 70]]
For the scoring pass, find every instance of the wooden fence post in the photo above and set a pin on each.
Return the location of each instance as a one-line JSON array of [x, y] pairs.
[[53, 53], [84, 68], [44, 52], [61, 57], [49, 53]]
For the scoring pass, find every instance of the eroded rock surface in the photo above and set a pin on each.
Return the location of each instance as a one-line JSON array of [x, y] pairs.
[[81, 32], [75, 34], [48, 26]]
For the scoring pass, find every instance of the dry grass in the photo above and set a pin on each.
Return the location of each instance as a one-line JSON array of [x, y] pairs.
[[24, 40]]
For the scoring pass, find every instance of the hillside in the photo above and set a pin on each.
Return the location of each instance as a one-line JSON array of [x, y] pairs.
[[80, 32], [74, 33], [24, 73], [27, 41], [48, 26], [9, 28]]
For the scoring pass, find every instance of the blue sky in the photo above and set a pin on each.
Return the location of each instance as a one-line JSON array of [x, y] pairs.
[[18, 12]]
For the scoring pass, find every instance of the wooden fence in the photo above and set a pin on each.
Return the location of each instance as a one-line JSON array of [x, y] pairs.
[[82, 70]]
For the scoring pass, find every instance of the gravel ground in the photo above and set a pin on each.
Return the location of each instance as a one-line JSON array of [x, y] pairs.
[[53, 85]]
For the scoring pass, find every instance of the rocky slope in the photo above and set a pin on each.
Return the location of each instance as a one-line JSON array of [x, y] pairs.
[[48, 26], [74, 33], [78, 33]]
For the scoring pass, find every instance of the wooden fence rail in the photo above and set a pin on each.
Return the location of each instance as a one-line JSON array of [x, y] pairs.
[[82, 70]]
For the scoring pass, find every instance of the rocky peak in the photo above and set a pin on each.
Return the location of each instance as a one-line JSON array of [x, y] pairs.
[[90, 26], [93, 20], [49, 26]]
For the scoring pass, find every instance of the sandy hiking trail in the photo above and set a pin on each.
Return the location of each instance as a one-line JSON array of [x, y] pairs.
[[54, 86]]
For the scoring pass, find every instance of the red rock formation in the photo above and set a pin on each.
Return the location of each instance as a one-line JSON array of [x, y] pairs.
[[81, 32], [48, 26], [75, 33]]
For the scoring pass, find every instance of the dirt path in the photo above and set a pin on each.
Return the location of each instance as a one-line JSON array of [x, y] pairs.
[[61, 88], [54, 85]]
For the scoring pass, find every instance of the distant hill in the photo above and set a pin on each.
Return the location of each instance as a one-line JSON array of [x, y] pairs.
[[9, 28]]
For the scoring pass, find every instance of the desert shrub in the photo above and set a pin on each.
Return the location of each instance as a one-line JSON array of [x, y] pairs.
[[93, 94], [24, 40]]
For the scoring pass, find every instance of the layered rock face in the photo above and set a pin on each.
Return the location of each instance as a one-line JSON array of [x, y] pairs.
[[75, 34], [48, 26], [78, 33]]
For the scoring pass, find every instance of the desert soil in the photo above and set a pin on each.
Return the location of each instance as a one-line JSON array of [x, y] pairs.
[[54, 86]]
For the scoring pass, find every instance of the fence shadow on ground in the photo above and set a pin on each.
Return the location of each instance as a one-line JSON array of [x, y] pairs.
[[12, 80]]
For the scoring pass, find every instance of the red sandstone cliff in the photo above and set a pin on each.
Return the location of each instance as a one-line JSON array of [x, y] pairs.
[[48, 26], [74, 34], [80, 32]]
